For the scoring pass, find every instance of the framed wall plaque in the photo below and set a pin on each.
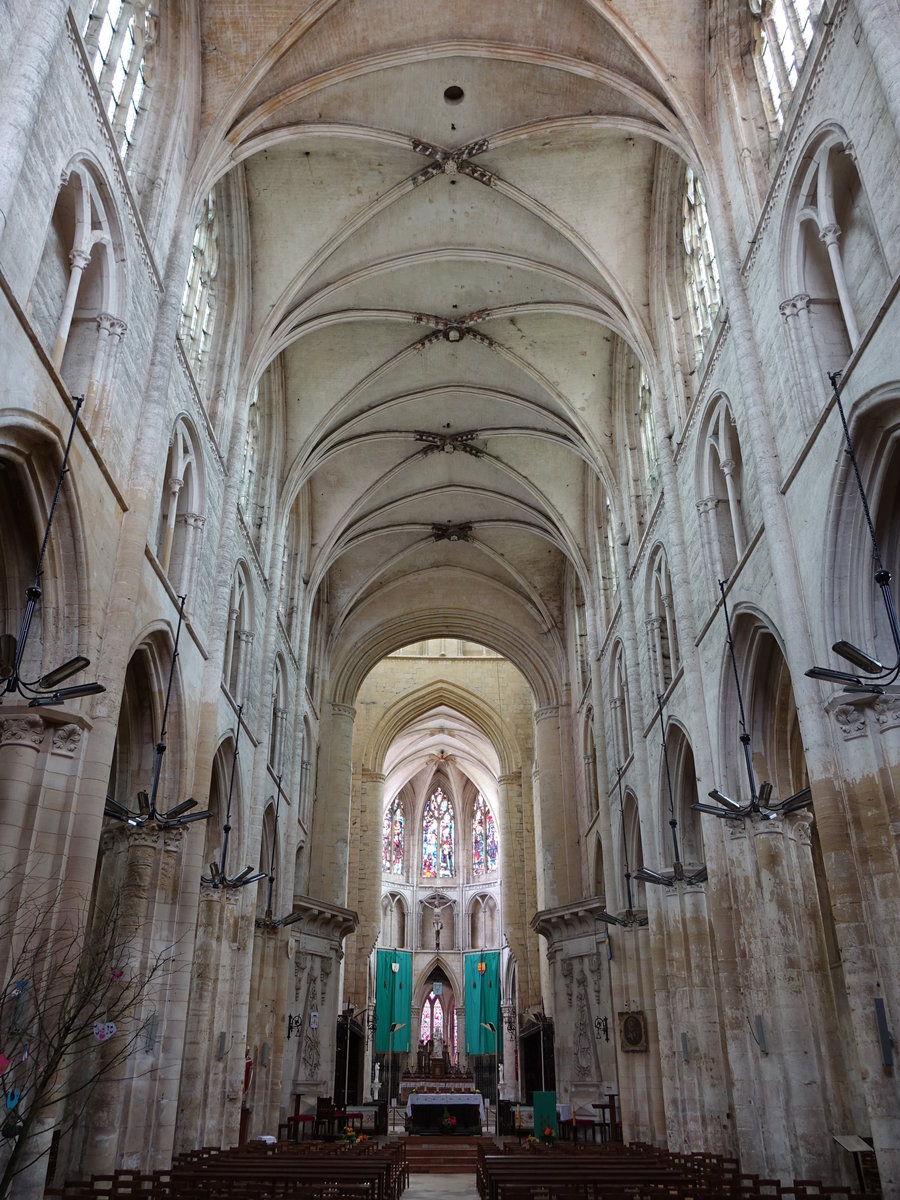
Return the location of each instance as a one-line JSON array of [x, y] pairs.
[[632, 1031]]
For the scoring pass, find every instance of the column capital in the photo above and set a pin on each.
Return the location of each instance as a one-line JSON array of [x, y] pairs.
[[829, 234], [343, 710], [24, 731], [510, 780], [545, 712], [78, 260]]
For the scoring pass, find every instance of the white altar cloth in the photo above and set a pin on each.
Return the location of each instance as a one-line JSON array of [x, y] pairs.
[[445, 1098]]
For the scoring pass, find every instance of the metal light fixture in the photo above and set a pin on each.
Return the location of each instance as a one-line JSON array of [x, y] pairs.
[[760, 803], [880, 676], [268, 921], [644, 874], [218, 870], [147, 812], [45, 690], [629, 920]]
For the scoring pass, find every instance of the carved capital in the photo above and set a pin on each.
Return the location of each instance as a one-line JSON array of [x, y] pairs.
[[545, 712], [829, 234], [707, 505], [78, 260], [851, 721], [22, 731], [788, 309], [66, 739], [343, 710], [887, 711]]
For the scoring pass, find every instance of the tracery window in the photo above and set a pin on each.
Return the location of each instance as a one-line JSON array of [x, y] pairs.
[[392, 839], [647, 426], [251, 454], [437, 837], [701, 272], [484, 838], [432, 1024], [198, 301], [783, 31], [119, 37], [661, 631]]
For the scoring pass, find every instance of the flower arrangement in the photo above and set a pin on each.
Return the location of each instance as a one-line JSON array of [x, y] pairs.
[[531, 1141], [447, 1121], [350, 1134], [549, 1137]]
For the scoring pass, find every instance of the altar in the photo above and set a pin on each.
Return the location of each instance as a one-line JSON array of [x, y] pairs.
[[425, 1113]]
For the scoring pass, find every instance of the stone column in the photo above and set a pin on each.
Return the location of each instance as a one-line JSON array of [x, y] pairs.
[[21, 738], [829, 235], [557, 826], [508, 1016], [880, 22], [331, 826], [25, 87]]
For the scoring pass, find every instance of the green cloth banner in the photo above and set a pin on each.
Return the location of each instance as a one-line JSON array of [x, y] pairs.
[[544, 1113], [483, 1002], [393, 1000]]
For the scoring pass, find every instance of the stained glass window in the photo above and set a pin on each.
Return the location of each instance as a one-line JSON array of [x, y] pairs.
[[392, 839], [432, 1024], [437, 837], [484, 838]]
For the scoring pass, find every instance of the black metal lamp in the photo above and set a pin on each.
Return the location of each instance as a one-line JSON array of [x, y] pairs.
[[760, 803], [44, 690], [147, 812], [268, 921], [879, 675], [218, 870], [678, 875], [630, 919]]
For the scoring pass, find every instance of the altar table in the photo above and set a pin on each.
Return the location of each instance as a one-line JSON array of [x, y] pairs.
[[425, 1113]]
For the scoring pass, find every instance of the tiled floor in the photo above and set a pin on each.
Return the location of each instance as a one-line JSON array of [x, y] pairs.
[[435, 1187]]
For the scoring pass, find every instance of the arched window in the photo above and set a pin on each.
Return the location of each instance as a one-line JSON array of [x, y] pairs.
[[783, 30], [251, 453], [392, 839], [647, 429], [721, 515], [701, 272], [78, 296], [619, 705], [239, 636], [437, 837], [198, 302], [432, 1024], [279, 716], [484, 838], [181, 518], [661, 632], [119, 38], [606, 555]]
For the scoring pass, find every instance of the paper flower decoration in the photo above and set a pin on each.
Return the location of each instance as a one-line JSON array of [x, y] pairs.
[[103, 1030]]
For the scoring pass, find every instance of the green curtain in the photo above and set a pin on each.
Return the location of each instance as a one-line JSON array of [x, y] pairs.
[[483, 1002], [393, 1000]]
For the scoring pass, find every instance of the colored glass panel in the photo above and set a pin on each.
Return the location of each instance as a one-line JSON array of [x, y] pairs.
[[392, 839], [484, 838], [437, 837]]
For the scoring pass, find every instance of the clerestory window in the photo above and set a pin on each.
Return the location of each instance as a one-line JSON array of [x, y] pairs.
[[119, 39], [392, 839], [198, 302], [701, 271], [484, 838], [783, 32]]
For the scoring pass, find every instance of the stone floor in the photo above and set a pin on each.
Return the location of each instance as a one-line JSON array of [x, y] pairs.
[[432, 1187]]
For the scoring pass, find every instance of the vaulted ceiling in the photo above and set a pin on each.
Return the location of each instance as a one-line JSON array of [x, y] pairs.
[[449, 238]]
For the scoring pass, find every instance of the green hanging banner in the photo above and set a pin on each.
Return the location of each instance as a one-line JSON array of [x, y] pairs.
[[483, 1002], [393, 999]]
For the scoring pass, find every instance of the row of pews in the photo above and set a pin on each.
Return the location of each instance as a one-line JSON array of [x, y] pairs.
[[284, 1171], [634, 1172]]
